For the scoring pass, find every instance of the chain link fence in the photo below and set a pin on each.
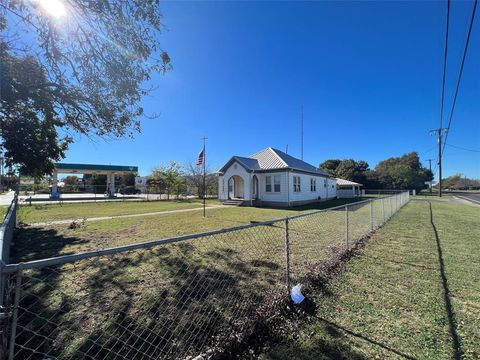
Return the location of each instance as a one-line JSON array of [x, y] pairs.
[[176, 298], [34, 193]]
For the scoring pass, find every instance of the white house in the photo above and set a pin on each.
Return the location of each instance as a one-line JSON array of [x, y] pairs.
[[347, 189], [274, 178]]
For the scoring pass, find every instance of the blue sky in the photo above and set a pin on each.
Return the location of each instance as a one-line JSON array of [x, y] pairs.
[[367, 73]]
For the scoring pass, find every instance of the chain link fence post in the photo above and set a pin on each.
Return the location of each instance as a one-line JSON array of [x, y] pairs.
[[287, 257], [371, 215], [16, 301], [391, 207], [383, 210], [346, 225]]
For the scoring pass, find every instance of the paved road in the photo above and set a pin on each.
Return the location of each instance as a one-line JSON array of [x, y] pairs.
[[473, 197]]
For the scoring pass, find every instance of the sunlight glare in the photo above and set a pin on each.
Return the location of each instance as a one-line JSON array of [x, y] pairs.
[[56, 8]]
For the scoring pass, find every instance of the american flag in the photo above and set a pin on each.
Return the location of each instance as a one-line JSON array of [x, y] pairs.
[[200, 158]]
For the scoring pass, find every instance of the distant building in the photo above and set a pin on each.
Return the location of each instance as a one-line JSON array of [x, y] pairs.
[[141, 183], [347, 188], [273, 178]]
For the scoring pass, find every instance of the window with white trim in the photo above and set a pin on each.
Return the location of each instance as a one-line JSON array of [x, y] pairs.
[[268, 183], [296, 184], [276, 183], [313, 184]]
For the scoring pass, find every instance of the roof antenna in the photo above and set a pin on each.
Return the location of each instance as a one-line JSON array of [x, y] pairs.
[[302, 133], [286, 149]]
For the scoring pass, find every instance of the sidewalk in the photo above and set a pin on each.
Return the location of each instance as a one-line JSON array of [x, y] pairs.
[[100, 218], [6, 199]]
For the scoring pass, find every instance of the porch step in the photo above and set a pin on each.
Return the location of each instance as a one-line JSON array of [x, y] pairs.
[[233, 202]]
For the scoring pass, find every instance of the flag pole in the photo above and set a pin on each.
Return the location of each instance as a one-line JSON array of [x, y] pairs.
[[204, 174]]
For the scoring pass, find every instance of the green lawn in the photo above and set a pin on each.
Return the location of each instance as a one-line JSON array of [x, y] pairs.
[[171, 297], [51, 212], [65, 211], [406, 295], [53, 240]]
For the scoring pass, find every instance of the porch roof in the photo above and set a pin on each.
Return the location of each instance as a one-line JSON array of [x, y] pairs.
[[343, 182]]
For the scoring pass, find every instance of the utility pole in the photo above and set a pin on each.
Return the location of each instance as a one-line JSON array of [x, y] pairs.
[[439, 132], [302, 133], [430, 166]]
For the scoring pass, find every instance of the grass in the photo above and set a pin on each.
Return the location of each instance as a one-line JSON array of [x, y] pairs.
[[167, 301], [52, 212], [53, 240], [413, 292], [65, 211], [3, 212]]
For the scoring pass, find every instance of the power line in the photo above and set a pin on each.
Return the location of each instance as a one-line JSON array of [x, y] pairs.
[[427, 151], [462, 148], [438, 132], [460, 73], [445, 65]]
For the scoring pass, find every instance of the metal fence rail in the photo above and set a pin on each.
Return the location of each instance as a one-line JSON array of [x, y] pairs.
[[7, 228], [174, 298]]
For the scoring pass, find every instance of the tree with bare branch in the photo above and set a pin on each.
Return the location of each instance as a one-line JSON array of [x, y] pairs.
[[95, 60]]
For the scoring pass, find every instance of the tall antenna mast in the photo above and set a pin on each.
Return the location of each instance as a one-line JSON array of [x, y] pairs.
[[302, 133]]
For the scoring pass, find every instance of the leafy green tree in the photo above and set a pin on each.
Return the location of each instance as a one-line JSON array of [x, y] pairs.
[[28, 121], [85, 72], [127, 180], [460, 182], [180, 186], [167, 176], [346, 170], [99, 182], [404, 172], [330, 165], [70, 180]]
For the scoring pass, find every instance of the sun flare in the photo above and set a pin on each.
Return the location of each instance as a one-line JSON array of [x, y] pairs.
[[55, 8]]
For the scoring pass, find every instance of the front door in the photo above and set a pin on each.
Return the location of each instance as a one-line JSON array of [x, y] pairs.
[[255, 188], [231, 188]]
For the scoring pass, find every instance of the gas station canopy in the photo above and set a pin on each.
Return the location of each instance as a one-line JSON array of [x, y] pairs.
[[109, 170], [94, 169]]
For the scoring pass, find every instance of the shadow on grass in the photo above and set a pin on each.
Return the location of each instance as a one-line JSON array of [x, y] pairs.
[[334, 329], [166, 302], [452, 322], [329, 341], [40, 243]]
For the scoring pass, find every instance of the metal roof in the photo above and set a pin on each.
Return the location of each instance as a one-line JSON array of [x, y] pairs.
[[95, 167], [343, 182], [274, 159], [248, 163]]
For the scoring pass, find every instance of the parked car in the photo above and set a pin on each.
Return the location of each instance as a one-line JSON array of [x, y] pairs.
[[129, 190]]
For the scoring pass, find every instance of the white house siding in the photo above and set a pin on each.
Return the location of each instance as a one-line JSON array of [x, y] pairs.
[[234, 169], [332, 188], [306, 195], [274, 197], [286, 196]]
